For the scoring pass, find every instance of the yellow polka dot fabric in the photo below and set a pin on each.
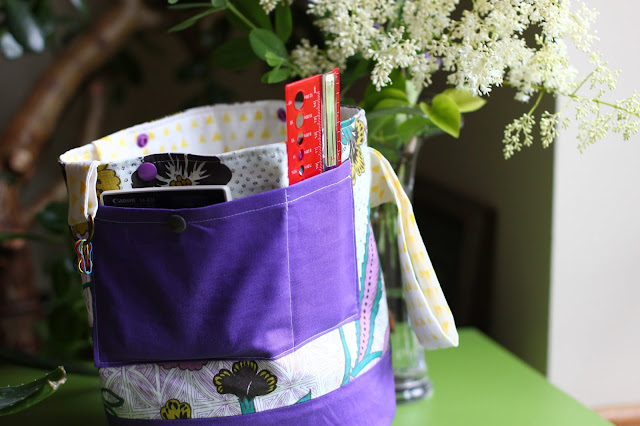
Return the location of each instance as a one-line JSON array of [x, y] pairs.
[[206, 131], [83, 201], [429, 313], [200, 131]]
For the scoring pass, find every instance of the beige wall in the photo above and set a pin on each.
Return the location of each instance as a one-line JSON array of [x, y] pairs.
[[594, 348]]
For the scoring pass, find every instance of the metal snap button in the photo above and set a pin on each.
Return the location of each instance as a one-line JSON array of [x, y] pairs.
[[176, 223]]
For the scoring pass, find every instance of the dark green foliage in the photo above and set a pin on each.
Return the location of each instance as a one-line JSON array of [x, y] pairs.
[[17, 398]]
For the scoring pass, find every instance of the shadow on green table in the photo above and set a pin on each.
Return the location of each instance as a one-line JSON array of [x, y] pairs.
[[478, 383]]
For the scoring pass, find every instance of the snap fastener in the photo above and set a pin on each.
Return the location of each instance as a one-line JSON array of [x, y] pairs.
[[142, 140], [176, 223], [147, 171]]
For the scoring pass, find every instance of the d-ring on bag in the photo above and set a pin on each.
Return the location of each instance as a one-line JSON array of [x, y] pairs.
[[266, 309]]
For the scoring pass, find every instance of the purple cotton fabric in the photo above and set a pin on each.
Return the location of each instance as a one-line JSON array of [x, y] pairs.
[[252, 278], [367, 400]]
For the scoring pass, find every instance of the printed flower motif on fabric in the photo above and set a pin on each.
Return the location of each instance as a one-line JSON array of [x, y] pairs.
[[175, 409], [183, 365], [357, 159], [107, 180], [245, 382], [182, 170], [370, 295], [81, 229], [111, 401], [87, 290]]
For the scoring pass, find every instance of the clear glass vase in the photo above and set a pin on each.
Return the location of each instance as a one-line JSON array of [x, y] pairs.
[[409, 364]]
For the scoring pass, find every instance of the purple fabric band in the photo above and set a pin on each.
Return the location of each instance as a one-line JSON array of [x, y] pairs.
[[367, 400], [252, 278]]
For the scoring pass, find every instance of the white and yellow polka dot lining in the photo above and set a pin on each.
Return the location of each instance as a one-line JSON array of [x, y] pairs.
[[429, 312]]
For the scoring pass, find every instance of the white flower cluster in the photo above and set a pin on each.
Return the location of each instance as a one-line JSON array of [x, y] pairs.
[[478, 48], [269, 5]]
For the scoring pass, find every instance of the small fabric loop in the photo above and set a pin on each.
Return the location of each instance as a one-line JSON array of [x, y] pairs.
[[81, 178], [429, 313]]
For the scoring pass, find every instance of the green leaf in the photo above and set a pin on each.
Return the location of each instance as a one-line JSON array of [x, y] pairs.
[[373, 98], [17, 398], [263, 41], [232, 54], [53, 217], [383, 131], [413, 92], [276, 75], [398, 80], [409, 110], [465, 100], [191, 21], [23, 25], [273, 60], [390, 103], [172, 1], [414, 126], [11, 49], [284, 21], [444, 113]]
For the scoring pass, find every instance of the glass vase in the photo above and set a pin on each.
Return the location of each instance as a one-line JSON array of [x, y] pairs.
[[409, 364]]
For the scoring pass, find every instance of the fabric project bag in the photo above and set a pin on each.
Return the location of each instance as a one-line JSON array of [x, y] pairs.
[[269, 308]]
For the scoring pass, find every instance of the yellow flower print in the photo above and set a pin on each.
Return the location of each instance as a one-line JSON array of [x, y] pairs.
[[180, 181], [245, 382], [81, 229], [357, 159], [107, 180], [175, 409]]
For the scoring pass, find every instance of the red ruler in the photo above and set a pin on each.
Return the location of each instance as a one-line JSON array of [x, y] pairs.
[[313, 125]]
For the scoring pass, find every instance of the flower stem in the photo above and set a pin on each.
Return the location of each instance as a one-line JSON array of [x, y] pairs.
[[240, 16], [247, 406], [535, 106], [582, 82]]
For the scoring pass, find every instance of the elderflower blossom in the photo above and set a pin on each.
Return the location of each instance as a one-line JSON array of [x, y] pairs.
[[269, 5], [478, 47], [548, 127], [310, 59]]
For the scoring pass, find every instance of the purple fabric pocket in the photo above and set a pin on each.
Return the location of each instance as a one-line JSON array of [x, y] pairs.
[[252, 278]]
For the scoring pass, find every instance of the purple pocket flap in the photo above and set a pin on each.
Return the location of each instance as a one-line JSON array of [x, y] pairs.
[[250, 278]]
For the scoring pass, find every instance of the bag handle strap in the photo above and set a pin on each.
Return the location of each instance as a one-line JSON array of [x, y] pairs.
[[429, 313]]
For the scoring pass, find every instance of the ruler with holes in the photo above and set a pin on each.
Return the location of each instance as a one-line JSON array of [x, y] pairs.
[[313, 125]]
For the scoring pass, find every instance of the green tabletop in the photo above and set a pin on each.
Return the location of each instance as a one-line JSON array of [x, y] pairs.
[[478, 383]]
